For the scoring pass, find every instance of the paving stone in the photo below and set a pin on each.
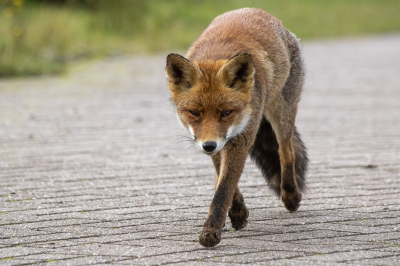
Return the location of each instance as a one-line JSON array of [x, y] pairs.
[[93, 169]]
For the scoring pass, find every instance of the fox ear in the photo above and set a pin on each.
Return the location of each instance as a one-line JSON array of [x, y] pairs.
[[238, 72], [181, 72]]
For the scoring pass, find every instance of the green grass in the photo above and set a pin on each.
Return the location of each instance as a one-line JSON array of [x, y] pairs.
[[42, 38]]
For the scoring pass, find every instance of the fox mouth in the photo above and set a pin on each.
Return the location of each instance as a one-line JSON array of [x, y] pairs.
[[210, 153]]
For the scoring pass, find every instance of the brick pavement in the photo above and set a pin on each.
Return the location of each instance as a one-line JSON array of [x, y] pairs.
[[93, 169]]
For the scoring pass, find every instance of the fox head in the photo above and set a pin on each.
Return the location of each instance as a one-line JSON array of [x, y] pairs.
[[212, 98]]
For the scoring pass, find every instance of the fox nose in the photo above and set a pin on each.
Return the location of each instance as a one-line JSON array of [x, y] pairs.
[[209, 146]]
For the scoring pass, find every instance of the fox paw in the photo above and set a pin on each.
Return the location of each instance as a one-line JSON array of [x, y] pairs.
[[210, 237], [291, 200], [238, 217]]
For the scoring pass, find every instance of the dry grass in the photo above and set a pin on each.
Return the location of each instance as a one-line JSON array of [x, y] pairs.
[[40, 38]]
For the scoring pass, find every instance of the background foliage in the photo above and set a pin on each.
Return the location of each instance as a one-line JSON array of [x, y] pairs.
[[42, 36]]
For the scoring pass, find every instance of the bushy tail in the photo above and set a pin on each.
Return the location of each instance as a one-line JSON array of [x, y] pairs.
[[265, 154]]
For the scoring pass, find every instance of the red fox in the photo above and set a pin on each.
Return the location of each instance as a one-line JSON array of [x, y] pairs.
[[237, 92]]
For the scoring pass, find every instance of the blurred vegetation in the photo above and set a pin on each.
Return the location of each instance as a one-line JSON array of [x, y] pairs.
[[42, 36]]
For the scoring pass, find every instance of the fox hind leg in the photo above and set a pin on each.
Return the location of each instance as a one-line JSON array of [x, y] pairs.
[[282, 114], [278, 150], [283, 126], [292, 152], [290, 188]]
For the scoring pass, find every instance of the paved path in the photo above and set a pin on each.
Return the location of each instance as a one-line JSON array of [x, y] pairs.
[[92, 170]]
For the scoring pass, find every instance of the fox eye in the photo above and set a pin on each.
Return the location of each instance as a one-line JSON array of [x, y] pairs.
[[226, 113], [196, 114]]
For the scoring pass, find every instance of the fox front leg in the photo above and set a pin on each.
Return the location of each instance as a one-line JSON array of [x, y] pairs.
[[238, 213], [231, 167]]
